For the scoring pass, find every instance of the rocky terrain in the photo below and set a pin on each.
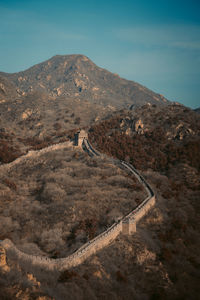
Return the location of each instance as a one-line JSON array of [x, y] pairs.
[[151, 136], [62, 93], [52, 204]]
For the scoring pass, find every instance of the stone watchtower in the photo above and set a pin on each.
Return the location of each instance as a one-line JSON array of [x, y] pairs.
[[128, 226], [79, 137]]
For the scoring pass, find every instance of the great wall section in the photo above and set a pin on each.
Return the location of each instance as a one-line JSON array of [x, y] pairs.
[[126, 225]]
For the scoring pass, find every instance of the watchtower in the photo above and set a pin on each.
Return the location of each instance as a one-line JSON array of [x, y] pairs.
[[79, 137], [128, 226]]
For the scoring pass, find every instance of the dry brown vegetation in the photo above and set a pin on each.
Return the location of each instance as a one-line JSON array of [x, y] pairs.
[[175, 225], [61, 199], [159, 262], [9, 151], [152, 149]]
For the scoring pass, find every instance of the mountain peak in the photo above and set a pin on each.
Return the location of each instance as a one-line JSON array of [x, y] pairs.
[[69, 57], [77, 77]]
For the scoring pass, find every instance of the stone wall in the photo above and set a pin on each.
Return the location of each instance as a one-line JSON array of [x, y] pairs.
[[35, 153], [72, 260], [127, 225], [89, 149]]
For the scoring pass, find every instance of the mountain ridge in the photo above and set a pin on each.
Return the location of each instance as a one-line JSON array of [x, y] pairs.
[[76, 76]]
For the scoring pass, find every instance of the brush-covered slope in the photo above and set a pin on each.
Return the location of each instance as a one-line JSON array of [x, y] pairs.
[[161, 260]]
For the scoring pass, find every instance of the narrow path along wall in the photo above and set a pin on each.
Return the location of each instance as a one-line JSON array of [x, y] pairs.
[[126, 225]]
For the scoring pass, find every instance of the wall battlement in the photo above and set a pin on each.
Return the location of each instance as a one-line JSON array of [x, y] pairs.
[[127, 224]]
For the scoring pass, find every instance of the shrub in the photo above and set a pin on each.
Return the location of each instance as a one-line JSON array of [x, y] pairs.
[[57, 126], [8, 153], [89, 226], [165, 254], [77, 121], [120, 277], [67, 275], [86, 276], [10, 184]]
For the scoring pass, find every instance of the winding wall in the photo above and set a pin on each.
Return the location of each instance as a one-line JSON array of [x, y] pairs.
[[126, 225], [35, 153]]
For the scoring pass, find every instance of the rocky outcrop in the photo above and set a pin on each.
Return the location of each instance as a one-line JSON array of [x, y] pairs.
[[3, 263], [139, 126]]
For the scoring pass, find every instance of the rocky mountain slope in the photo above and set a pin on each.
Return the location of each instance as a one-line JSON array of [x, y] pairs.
[[75, 76], [44, 102], [151, 136]]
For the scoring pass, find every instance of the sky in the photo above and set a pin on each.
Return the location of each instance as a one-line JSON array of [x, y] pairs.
[[153, 42]]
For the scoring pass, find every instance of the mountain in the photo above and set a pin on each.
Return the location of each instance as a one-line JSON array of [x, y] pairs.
[[77, 77], [65, 92]]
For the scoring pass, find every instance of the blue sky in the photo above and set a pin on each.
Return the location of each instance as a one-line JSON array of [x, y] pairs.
[[155, 43]]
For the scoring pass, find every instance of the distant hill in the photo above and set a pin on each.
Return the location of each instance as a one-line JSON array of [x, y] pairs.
[[76, 76]]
